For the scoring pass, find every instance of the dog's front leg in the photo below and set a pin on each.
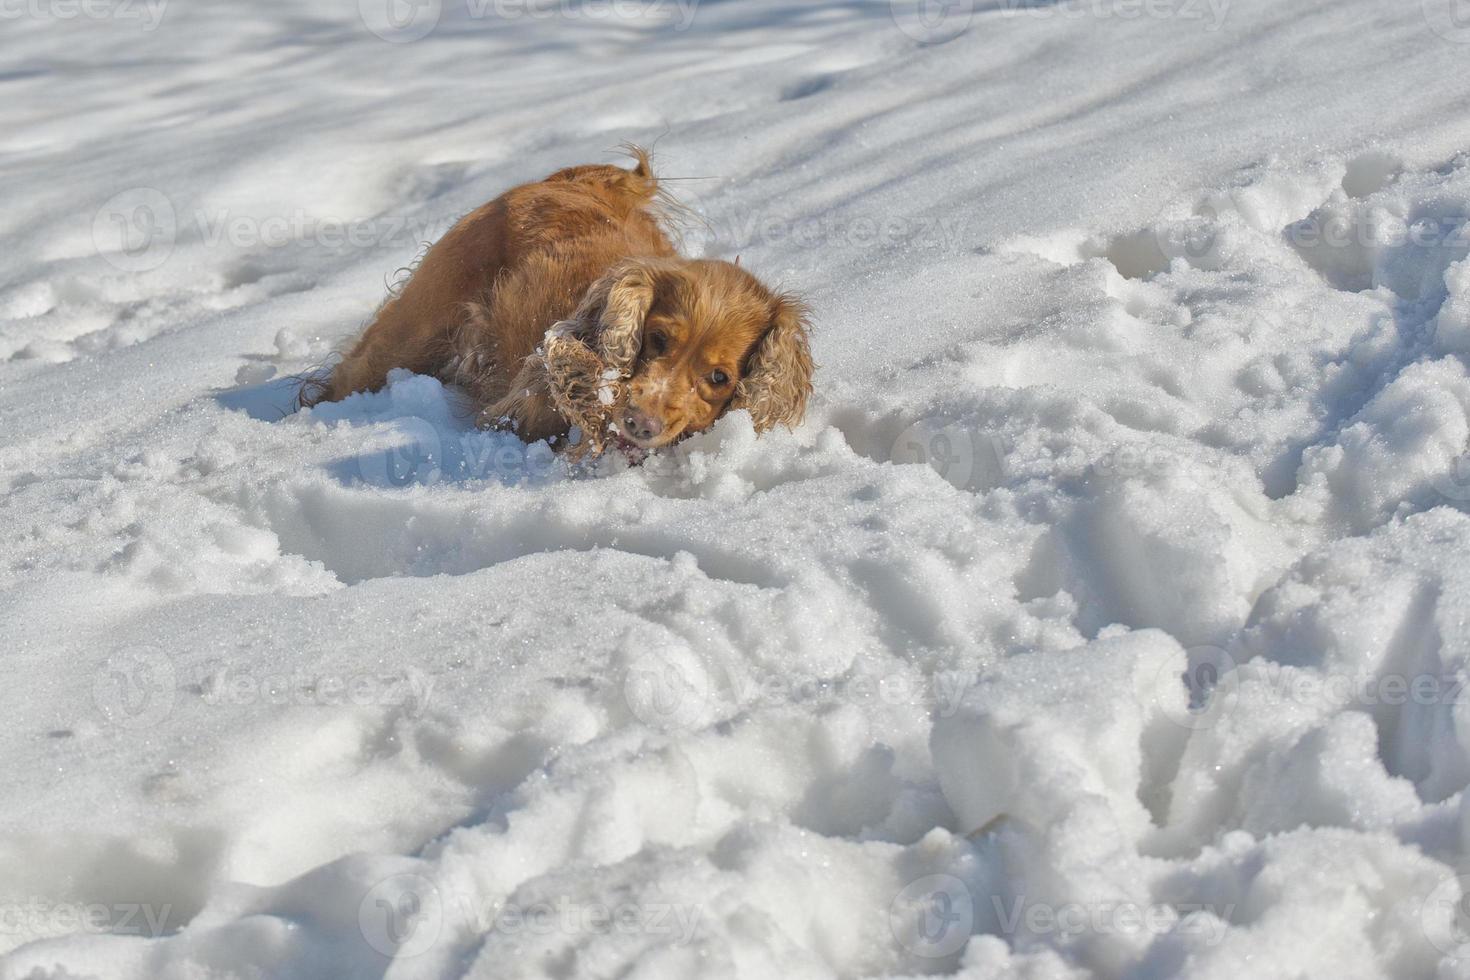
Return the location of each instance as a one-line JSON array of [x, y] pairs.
[[526, 407]]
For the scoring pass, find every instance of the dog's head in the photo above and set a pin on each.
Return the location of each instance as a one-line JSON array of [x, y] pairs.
[[692, 339]]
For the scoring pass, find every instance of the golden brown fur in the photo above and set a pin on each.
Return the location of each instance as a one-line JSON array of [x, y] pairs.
[[586, 248]]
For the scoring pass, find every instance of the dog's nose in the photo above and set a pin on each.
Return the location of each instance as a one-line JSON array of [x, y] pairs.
[[640, 426]]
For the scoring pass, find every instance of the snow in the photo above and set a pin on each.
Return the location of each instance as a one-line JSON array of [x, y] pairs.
[[1107, 617]]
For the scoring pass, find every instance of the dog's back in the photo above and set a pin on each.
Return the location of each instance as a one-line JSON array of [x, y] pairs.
[[583, 200], [493, 283]]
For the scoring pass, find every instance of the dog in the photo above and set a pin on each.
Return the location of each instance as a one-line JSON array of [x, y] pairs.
[[588, 251]]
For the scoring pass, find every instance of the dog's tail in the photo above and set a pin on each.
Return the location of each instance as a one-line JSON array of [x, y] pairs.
[[634, 188], [642, 163]]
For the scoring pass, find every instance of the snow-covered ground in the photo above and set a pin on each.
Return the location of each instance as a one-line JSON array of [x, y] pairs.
[[1109, 616]]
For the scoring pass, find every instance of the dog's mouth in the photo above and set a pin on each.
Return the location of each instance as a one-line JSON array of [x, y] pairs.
[[626, 446], [627, 440], [637, 450]]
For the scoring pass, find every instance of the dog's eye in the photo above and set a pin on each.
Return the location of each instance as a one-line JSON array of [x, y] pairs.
[[719, 379], [657, 342]]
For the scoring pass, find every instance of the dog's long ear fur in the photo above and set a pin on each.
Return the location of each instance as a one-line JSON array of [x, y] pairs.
[[778, 377], [610, 318]]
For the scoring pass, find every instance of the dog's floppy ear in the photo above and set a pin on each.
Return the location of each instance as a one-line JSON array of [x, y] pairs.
[[610, 317], [778, 376]]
